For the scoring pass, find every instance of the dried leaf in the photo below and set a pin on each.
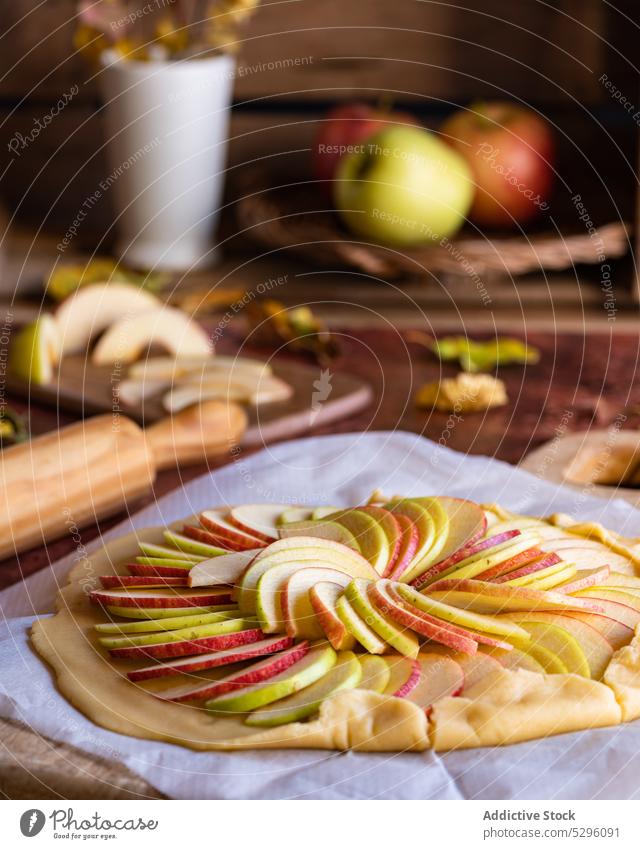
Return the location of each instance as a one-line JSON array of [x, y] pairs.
[[478, 356], [271, 324], [12, 428], [465, 393], [65, 279]]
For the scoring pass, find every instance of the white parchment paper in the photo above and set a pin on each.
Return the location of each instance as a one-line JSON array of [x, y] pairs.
[[339, 470]]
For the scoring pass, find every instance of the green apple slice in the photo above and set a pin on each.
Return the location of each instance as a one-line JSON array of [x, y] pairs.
[[618, 579], [371, 539], [375, 673], [358, 628], [297, 609], [597, 649], [559, 642], [345, 675], [402, 640], [440, 519], [151, 549], [192, 546], [540, 579], [293, 514], [323, 511], [481, 562], [225, 626], [307, 551], [320, 530], [35, 351], [316, 663], [164, 612], [465, 618], [166, 563], [514, 659], [174, 622], [549, 661]]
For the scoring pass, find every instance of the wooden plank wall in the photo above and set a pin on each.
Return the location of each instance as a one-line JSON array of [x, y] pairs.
[[298, 56]]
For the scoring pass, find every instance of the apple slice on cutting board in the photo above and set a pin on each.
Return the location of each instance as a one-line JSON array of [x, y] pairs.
[[346, 674]]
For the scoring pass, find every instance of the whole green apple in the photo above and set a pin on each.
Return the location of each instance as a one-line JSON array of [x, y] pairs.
[[403, 186]]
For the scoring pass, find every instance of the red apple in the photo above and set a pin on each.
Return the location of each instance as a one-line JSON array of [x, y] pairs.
[[510, 150], [345, 128]]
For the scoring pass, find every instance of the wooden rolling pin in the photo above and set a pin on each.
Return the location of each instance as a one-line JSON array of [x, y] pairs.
[[92, 469]]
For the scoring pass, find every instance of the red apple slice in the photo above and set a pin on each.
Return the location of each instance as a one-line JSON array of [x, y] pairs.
[[524, 558], [583, 579], [612, 629], [197, 646], [208, 538], [298, 612], [476, 668], [404, 676], [392, 531], [225, 569], [112, 581], [212, 660], [485, 597], [408, 547], [440, 677], [438, 569], [258, 520], [216, 523], [429, 533], [158, 571], [254, 674], [324, 597], [161, 598], [532, 570], [397, 609]]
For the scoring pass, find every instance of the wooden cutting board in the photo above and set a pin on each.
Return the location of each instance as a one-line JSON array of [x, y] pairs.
[[83, 388]]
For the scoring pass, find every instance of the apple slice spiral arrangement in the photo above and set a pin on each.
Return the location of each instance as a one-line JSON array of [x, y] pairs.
[[266, 611]]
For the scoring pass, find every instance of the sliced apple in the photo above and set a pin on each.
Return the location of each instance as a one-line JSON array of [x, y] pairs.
[[264, 670], [404, 676], [476, 622], [323, 597], [549, 661], [559, 640], [588, 554], [617, 579], [35, 351], [552, 579], [157, 567], [201, 535], [463, 555], [346, 674], [170, 624], [537, 573], [258, 520], [127, 338], [223, 569], [531, 558], [358, 628], [188, 647], [164, 612], [215, 659], [427, 626], [465, 526], [371, 539], [94, 307], [216, 523], [298, 613], [440, 518], [308, 552], [440, 677], [425, 525], [179, 635], [614, 631], [615, 594], [598, 651], [515, 659], [316, 663], [399, 638], [323, 511], [191, 547], [495, 561], [476, 668], [321, 529], [170, 368], [162, 598], [169, 552], [243, 388], [409, 541], [485, 597], [392, 530], [140, 581], [294, 514], [375, 673]]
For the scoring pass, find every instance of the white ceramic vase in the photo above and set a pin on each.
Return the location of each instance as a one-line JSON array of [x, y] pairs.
[[167, 126]]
